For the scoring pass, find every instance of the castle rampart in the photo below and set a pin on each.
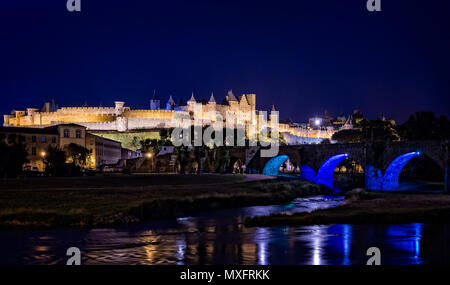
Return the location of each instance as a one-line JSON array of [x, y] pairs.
[[122, 118]]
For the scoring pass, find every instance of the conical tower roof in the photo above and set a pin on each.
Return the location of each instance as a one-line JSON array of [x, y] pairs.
[[192, 98], [212, 99], [154, 97], [231, 96], [171, 102], [244, 99]]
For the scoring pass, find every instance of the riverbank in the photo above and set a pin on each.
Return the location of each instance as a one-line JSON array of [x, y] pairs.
[[369, 208], [113, 200]]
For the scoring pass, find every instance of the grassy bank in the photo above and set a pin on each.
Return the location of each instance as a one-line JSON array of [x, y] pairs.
[[100, 201], [364, 207]]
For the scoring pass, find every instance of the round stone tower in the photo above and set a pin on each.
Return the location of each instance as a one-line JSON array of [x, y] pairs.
[[119, 107], [122, 124]]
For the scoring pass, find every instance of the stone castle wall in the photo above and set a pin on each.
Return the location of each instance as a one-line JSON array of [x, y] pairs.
[[149, 114], [121, 118]]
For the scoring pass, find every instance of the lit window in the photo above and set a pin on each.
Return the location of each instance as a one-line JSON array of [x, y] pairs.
[[44, 139], [66, 133]]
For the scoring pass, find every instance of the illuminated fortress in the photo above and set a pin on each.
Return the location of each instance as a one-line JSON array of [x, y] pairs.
[[121, 118]]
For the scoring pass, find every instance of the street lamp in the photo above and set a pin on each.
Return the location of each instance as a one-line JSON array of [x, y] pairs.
[[148, 155], [43, 154]]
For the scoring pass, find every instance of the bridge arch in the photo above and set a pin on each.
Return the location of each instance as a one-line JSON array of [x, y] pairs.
[[390, 178], [326, 170], [272, 167], [307, 173]]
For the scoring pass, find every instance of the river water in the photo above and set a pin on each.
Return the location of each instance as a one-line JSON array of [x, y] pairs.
[[218, 237]]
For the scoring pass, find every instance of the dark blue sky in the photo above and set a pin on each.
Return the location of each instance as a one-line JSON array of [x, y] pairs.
[[303, 56]]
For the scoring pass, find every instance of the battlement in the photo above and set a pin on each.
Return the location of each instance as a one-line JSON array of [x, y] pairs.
[[153, 114], [91, 110], [121, 118]]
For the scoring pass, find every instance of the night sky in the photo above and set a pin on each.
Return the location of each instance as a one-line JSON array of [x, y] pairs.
[[302, 56]]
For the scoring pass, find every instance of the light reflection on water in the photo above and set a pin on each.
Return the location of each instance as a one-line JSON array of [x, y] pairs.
[[220, 238], [408, 239]]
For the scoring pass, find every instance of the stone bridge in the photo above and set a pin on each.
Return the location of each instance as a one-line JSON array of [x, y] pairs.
[[382, 161]]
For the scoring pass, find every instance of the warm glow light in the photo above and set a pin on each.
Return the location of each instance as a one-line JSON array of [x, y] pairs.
[[43, 153], [149, 155]]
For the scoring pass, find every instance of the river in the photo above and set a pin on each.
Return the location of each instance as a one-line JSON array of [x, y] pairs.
[[218, 237]]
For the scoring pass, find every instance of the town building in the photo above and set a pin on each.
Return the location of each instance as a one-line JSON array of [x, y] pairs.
[[38, 140]]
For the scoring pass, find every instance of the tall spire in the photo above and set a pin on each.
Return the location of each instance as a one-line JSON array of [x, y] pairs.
[[212, 100], [273, 108], [230, 96], [192, 98], [154, 95], [171, 102]]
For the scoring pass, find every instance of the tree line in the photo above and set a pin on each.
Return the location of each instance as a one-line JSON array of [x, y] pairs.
[[70, 161], [423, 125]]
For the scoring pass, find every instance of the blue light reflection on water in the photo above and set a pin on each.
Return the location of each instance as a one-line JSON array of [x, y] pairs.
[[218, 237], [262, 238], [346, 240], [317, 246], [407, 240], [181, 248]]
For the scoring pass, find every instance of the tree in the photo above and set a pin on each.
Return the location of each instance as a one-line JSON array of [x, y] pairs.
[[378, 130], [135, 142], [425, 125], [13, 155], [78, 155], [368, 131], [347, 136], [55, 162], [164, 134], [182, 158], [281, 139]]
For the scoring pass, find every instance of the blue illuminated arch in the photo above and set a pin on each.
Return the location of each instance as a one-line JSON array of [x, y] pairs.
[[308, 173], [325, 173], [272, 167], [390, 181]]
